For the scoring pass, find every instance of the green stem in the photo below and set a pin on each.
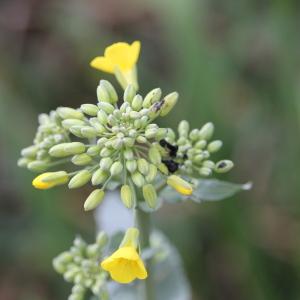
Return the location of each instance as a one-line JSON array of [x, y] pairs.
[[143, 223]]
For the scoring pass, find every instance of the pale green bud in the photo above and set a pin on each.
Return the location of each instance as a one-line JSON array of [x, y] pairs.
[[224, 166], [138, 179], [128, 154], [201, 144], [128, 142], [137, 102], [105, 163], [81, 159], [152, 173], [70, 275], [73, 148], [101, 142], [88, 132], [41, 154], [112, 120], [67, 123], [163, 169], [92, 251], [102, 94], [97, 125], [127, 196], [154, 155], [102, 117], [171, 135], [107, 107], [131, 165], [206, 131], [90, 109], [93, 150], [99, 177], [80, 179], [112, 94], [59, 266], [124, 106], [169, 102], [204, 171], [94, 199], [129, 93], [214, 146], [105, 152], [38, 166], [101, 239], [57, 178], [117, 143], [137, 123], [141, 139], [30, 151], [69, 113], [23, 162], [116, 168], [208, 164], [150, 195], [194, 134], [183, 128], [134, 115], [152, 97], [143, 166], [151, 133], [76, 130], [161, 134]]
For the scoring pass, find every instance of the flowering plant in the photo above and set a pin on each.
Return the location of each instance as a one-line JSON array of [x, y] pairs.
[[115, 143]]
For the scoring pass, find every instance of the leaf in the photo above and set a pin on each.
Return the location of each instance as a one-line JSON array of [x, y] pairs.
[[215, 190]]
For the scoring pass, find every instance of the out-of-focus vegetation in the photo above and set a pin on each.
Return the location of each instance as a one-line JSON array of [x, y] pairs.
[[235, 63]]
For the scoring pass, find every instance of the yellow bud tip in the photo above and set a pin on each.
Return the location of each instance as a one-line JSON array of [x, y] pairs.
[[119, 55], [125, 265], [39, 184], [50, 179], [180, 185]]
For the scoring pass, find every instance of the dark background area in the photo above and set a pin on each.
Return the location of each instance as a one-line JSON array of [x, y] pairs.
[[235, 63]]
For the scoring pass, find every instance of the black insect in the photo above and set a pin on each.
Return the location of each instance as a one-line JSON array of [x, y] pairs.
[[171, 165], [171, 149], [157, 106]]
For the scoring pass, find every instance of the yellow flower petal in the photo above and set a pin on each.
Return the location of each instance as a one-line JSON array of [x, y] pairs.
[[103, 64], [39, 184], [50, 179]]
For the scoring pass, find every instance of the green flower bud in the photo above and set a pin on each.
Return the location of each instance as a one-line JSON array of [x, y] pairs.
[[105, 152], [56, 178], [81, 159], [101, 239], [96, 124], [128, 154], [180, 185], [137, 102], [23, 162], [105, 163], [143, 166], [131, 165], [224, 166], [151, 133], [90, 109], [194, 134], [42, 155], [102, 117], [94, 199], [214, 146], [169, 102], [152, 97], [127, 196], [93, 150], [92, 251], [112, 120], [161, 134], [128, 142], [80, 179], [134, 115], [163, 169], [73, 148], [116, 168], [201, 144], [152, 173], [69, 113], [138, 179], [102, 93], [154, 155], [30, 151], [204, 171], [129, 93], [183, 128], [99, 177], [76, 130], [68, 123], [38, 166], [150, 195], [101, 142], [70, 275], [208, 164], [110, 90], [58, 266], [107, 107], [88, 132], [206, 131]]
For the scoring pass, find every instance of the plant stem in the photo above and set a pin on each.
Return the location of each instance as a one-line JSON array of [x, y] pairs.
[[143, 223]]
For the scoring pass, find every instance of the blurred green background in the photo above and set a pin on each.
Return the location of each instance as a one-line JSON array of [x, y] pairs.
[[235, 63]]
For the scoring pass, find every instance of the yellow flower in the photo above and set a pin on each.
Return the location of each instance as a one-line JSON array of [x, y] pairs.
[[180, 185], [125, 265], [50, 179], [120, 59]]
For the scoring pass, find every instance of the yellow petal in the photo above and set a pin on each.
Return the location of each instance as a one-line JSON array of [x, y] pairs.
[[126, 253], [39, 184], [103, 64], [123, 271], [141, 272]]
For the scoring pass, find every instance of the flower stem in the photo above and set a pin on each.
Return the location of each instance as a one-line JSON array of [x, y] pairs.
[[143, 222]]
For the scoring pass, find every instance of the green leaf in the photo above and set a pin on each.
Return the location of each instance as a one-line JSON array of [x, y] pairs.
[[215, 190]]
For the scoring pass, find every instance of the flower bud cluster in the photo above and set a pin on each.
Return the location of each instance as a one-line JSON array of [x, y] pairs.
[[191, 151], [80, 266]]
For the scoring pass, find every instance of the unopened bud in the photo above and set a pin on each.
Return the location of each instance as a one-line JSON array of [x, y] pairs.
[[204, 171], [169, 103], [127, 196], [154, 155], [38, 165], [99, 177], [138, 179], [30, 151], [180, 185], [67, 123], [206, 131], [150, 195], [102, 117], [194, 134], [88, 132], [128, 142], [152, 97], [137, 102], [214, 146], [94, 199], [105, 152], [129, 93], [131, 165], [208, 164], [101, 239], [110, 94], [128, 154], [183, 128], [201, 144], [116, 168], [105, 163], [81, 159], [93, 150], [143, 166], [76, 130], [50, 179], [152, 173], [69, 113], [80, 179], [90, 109], [141, 139], [107, 107], [224, 166]]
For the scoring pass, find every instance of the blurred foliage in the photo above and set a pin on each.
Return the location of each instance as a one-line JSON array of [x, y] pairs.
[[235, 63]]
